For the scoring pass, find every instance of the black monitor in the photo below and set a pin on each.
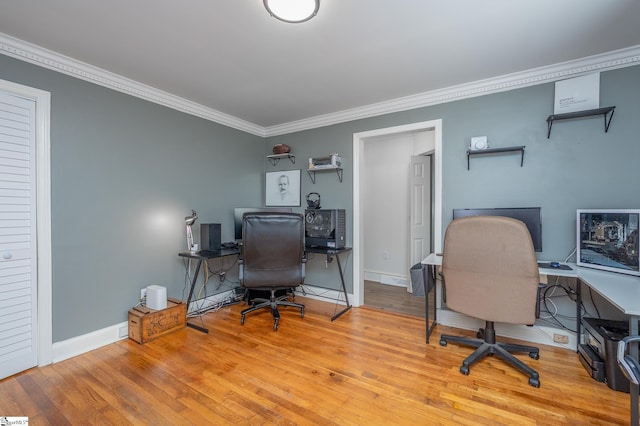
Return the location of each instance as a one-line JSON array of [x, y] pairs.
[[239, 211], [531, 216]]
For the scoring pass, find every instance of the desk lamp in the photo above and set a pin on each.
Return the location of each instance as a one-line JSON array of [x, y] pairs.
[[190, 220]]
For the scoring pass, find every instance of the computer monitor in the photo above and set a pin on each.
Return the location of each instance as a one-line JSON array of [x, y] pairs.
[[239, 211], [531, 216]]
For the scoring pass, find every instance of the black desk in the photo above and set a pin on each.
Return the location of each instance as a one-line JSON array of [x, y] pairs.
[[331, 253], [201, 257]]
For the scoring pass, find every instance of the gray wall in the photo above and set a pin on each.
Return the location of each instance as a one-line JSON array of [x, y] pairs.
[[125, 172]]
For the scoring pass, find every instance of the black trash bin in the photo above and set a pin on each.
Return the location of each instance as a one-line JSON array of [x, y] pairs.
[[417, 279]]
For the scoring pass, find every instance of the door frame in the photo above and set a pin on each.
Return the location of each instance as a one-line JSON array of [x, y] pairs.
[[359, 139], [43, 214]]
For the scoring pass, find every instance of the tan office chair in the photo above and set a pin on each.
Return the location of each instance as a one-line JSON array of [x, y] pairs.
[[272, 259], [491, 273]]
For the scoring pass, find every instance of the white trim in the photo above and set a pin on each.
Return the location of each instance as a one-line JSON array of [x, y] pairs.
[[40, 56], [387, 279], [43, 212], [88, 342], [323, 294], [535, 334], [358, 157], [28, 52]]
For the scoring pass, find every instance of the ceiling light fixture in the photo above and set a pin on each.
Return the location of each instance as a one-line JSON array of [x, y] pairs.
[[292, 11]]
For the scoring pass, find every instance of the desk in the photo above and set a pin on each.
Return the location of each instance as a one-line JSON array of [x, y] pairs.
[[621, 290], [331, 253], [201, 257]]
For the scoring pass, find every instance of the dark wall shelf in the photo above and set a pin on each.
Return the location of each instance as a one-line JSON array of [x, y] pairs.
[[275, 158], [312, 173], [471, 153], [606, 111]]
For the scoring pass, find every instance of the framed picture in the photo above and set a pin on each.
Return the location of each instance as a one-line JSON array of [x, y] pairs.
[[282, 188]]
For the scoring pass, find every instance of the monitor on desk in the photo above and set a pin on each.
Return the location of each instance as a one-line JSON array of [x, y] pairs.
[[531, 216], [239, 211], [608, 240]]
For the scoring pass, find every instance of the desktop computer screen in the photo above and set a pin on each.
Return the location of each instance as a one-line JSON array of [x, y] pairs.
[[531, 216], [239, 211]]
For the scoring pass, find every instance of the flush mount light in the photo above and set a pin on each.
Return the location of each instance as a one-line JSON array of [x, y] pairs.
[[292, 11]]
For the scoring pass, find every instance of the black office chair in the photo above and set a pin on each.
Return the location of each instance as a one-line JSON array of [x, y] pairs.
[[272, 259]]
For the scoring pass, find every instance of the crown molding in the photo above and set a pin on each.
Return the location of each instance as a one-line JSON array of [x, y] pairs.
[[607, 61], [28, 52], [36, 55]]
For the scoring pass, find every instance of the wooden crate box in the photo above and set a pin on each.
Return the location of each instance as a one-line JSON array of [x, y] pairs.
[[147, 324]]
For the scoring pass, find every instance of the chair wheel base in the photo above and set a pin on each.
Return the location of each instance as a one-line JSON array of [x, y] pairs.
[[534, 382], [464, 370]]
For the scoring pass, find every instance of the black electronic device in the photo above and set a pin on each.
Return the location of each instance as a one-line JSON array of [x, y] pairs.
[[603, 337], [325, 228], [531, 216], [239, 211], [210, 236], [313, 200]]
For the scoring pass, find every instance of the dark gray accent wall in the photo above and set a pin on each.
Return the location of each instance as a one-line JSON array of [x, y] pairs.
[[124, 174]]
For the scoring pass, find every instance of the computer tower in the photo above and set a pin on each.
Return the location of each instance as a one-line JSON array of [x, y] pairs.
[[210, 236]]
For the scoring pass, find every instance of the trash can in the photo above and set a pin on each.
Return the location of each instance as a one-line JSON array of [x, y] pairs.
[[417, 279]]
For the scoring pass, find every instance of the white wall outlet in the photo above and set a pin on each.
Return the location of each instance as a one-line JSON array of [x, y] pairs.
[[560, 338]]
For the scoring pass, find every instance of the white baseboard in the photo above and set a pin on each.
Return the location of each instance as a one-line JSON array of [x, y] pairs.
[[535, 334], [90, 341], [323, 294], [388, 279], [96, 339]]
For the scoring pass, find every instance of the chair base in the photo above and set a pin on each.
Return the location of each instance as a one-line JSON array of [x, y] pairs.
[[488, 346], [273, 302]]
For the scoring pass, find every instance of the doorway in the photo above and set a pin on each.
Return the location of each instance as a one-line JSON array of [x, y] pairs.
[[361, 202]]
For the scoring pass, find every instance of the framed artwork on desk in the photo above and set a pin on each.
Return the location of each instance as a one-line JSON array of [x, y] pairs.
[[282, 188]]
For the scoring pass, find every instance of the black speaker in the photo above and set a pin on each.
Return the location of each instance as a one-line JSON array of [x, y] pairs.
[[210, 236]]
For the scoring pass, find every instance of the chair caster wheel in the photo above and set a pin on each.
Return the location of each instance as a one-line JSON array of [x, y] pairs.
[[464, 370], [275, 325], [534, 355], [242, 320], [443, 342], [534, 382], [480, 333], [302, 313]]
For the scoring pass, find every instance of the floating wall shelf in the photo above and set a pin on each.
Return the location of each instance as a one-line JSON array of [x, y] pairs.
[[275, 158], [578, 114], [312, 172], [471, 153]]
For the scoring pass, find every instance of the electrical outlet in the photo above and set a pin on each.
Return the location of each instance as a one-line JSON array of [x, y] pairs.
[[560, 338]]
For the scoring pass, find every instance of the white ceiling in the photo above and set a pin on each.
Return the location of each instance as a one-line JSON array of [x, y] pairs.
[[232, 57]]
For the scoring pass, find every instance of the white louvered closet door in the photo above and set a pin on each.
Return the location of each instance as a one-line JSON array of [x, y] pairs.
[[18, 261]]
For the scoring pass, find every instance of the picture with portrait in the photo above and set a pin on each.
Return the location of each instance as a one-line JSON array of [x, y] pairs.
[[282, 188]]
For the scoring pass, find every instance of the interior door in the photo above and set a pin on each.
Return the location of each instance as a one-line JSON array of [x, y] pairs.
[[419, 210], [18, 260]]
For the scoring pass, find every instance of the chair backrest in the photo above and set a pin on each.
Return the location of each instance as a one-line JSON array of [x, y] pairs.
[[272, 250], [490, 269]]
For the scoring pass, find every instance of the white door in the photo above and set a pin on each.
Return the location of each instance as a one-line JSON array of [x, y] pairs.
[[18, 260], [419, 210]]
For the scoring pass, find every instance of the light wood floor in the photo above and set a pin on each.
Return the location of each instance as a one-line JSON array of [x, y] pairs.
[[369, 367], [393, 299]]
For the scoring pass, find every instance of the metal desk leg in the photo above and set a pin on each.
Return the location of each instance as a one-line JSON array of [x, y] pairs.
[[633, 351], [578, 313], [344, 288], [429, 282], [193, 286]]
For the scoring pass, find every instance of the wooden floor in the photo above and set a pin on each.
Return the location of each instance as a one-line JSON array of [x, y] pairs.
[[393, 299], [369, 367]]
